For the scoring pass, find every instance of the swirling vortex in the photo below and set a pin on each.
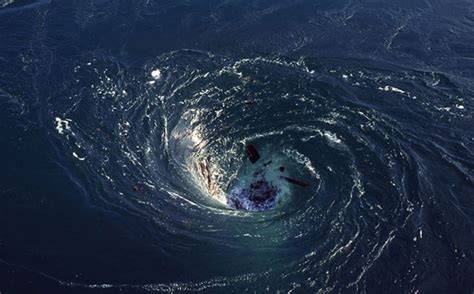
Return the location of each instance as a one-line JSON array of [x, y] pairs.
[[370, 173]]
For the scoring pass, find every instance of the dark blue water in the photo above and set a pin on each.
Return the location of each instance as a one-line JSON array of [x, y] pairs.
[[109, 109]]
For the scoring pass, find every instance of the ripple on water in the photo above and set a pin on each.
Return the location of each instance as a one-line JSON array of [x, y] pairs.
[[179, 132]]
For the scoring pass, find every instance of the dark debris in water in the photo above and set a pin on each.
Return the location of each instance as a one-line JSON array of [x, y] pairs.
[[260, 195]]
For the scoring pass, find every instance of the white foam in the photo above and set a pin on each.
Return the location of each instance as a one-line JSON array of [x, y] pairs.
[[156, 74], [6, 3], [443, 108], [78, 157], [303, 160], [62, 125], [332, 138], [391, 89]]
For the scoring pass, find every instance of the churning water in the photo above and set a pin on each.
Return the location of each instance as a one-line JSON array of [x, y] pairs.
[[124, 142]]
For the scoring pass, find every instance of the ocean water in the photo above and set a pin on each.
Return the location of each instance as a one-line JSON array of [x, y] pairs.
[[123, 127]]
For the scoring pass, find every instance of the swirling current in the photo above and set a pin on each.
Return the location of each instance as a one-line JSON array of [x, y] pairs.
[[146, 150]]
